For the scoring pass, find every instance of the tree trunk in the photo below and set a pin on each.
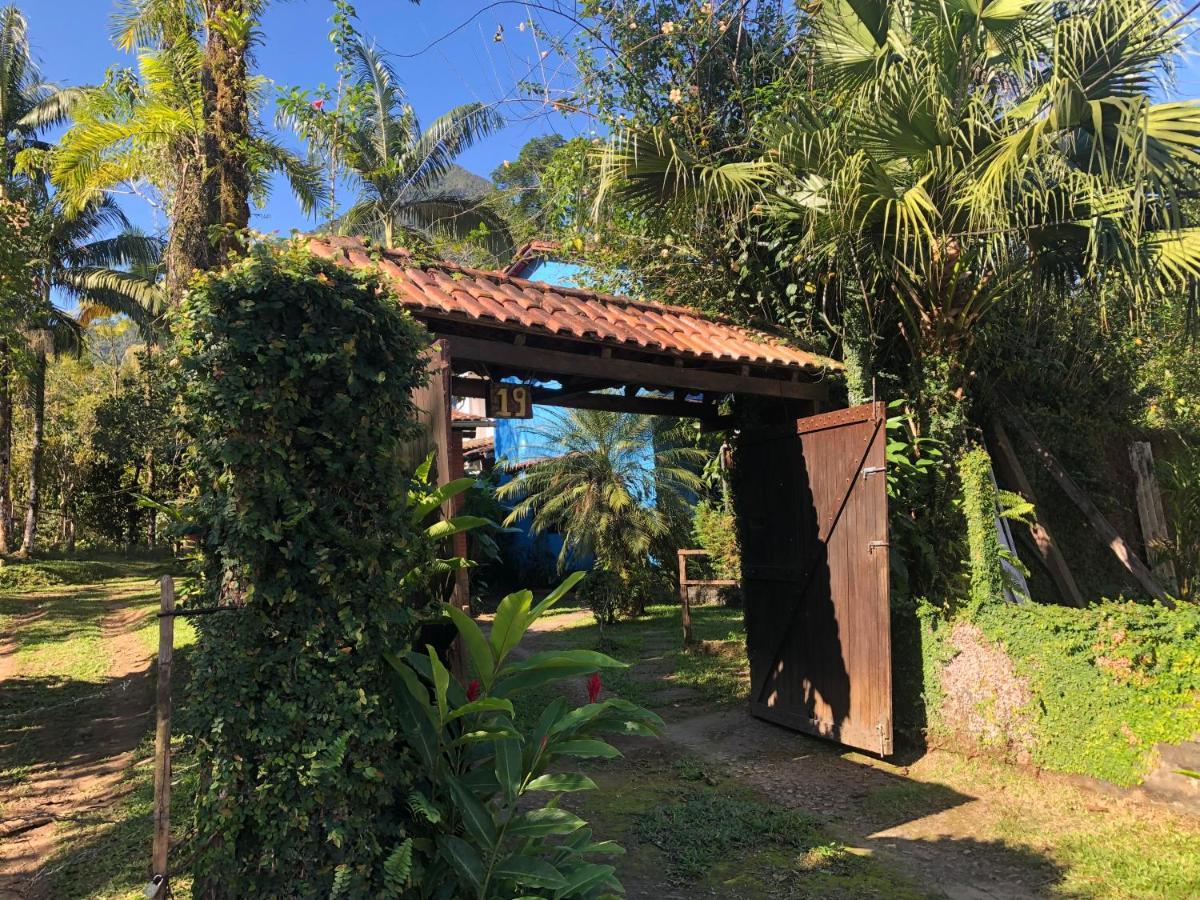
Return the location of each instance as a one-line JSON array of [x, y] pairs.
[[224, 96], [6, 428], [189, 248], [37, 388], [152, 515]]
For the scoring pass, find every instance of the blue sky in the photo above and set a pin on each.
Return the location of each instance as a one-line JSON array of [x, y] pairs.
[[446, 54], [70, 38]]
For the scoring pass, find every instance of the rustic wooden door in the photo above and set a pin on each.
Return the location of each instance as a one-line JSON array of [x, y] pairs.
[[812, 509]]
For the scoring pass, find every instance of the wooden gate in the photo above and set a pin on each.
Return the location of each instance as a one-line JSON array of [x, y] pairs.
[[812, 507]]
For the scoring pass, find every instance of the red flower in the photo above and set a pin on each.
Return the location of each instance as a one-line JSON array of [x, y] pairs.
[[593, 685], [473, 690], [318, 104]]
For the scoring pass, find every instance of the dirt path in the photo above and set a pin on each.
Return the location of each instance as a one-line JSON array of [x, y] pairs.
[[79, 752], [950, 833]]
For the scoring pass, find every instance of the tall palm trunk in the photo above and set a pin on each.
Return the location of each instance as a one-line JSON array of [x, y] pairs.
[[189, 248], [37, 388], [6, 429], [224, 95]]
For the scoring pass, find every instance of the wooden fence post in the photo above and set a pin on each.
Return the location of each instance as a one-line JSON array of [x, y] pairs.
[[1107, 533], [1150, 512], [162, 740], [685, 612]]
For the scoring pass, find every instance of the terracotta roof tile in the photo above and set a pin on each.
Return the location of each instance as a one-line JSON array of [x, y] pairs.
[[446, 290]]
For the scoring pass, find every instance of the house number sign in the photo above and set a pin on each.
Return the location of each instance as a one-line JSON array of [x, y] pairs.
[[509, 401]]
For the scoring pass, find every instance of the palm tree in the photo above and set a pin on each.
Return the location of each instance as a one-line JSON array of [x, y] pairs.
[[399, 167], [148, 132], [22, 92], [94, 257], [968, 155], [615, 486]]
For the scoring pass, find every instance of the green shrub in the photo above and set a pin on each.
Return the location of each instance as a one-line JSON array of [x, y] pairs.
[[1105, 684], [481, 781], [296, 379], [716, 531], [605, 595]]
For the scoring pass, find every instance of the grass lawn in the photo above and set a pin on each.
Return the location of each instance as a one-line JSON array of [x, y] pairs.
[[77, 670], [1092, 845], [693, 818]]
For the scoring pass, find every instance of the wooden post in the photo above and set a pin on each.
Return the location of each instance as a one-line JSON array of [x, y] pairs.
[[162, 739], [685, 612], [1150, 512], [1012, 472], [1095, 518]]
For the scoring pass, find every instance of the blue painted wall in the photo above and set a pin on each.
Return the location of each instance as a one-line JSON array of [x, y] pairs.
[[516, 442]]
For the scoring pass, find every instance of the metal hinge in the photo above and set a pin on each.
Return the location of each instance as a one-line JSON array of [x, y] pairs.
[[877, 545], [872, 470]]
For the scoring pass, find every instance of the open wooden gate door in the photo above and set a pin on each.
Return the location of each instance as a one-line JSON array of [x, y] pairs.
[[812, 508]]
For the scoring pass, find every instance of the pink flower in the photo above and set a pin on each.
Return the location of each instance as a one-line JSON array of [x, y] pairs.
[[593, 686], [473, 690], [318, 104]]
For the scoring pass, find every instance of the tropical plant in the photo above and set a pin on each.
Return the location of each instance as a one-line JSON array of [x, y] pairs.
[[615, 486], [149, 132], [22, 92], [1181, 490], [486, 765], [80, 257], [399, 167], [964, 156]]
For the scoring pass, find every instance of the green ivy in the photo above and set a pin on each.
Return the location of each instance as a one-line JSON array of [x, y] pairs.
[[296, 379], [979, 508], [1107, 683]]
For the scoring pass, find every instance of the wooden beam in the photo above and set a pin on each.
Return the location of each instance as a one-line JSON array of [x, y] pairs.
[[1150, 511], [159, 869], [646, 406], [1091, 512], [572, 399], [622, 371], [1009, 467]]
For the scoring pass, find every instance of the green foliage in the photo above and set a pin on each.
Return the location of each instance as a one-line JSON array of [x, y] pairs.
[[605, 595], [716, 531], [596, 484], [371, 134], [1181, 490], [979, 507], [46, 573], [480, 778], [613, 595], [703, 827], [296, 380], [924, 522], [1111, 681], [1107, 683], [521, 183]]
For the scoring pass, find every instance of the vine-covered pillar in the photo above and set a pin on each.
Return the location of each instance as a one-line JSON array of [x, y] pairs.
[[296, 392]]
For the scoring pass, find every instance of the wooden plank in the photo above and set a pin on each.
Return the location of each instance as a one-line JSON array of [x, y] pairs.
[[1091, 512], [162, 738], [685, 612], [1009, 466], [1150, 512], [623, 371], [648, 406], [812, 513]]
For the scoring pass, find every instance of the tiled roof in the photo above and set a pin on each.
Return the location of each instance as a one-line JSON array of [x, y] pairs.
[[479, 447], [451, 292]]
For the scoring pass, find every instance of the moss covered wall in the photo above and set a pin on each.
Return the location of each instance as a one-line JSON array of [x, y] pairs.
[[1088, 692]]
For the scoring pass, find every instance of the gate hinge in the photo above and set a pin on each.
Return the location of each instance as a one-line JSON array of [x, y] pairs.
[[872, 470], [877, 545]]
